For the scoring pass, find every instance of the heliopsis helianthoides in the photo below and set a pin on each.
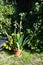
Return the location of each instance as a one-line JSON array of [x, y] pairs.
[[21, 33], [11, 41], [4, 44], [18, 34], [12, 34], [9, 48]]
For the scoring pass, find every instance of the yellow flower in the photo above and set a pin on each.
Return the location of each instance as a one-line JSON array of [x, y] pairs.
[[18, 34], [11, 41], [4, 44], [12, 34], [9, 48], [21, 33]]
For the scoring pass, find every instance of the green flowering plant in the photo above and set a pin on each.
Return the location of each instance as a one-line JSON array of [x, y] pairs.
[[19, 38], [16, 39]]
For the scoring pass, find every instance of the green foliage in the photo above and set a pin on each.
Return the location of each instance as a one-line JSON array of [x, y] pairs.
[[32, 23], [5, 16], [35, 36]]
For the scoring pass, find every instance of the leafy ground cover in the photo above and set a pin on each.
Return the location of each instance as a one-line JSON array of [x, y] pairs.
[[27, 58]]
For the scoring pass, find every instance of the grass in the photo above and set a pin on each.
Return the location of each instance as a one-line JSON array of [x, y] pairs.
[[27, 58]]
